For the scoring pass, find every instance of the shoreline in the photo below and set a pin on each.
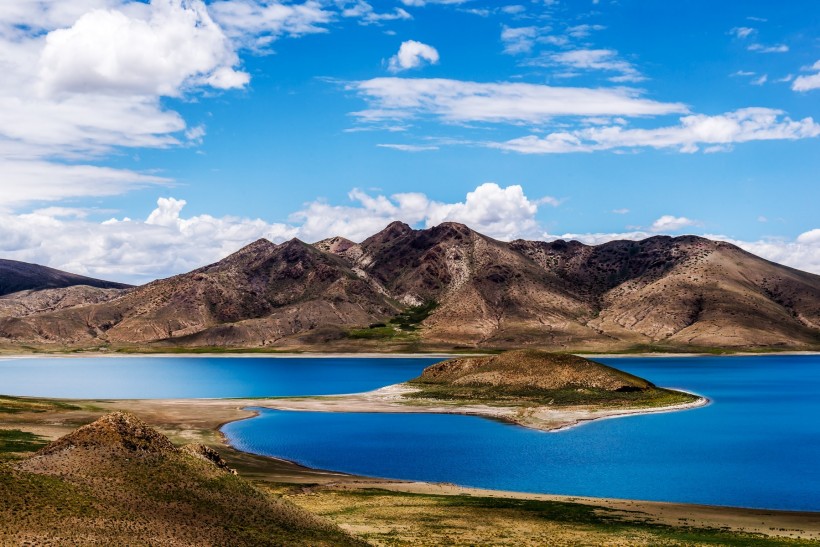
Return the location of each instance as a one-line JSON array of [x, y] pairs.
[[200, 420], [386, 355]]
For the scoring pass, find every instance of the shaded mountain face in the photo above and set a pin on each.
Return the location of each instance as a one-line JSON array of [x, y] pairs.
[[684, 292], [21, 276]]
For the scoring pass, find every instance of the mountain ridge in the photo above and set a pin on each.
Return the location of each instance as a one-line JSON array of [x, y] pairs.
[[679, 292], [18, 276]]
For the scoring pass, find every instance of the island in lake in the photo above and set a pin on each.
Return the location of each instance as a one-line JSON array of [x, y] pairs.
[[536, 389]]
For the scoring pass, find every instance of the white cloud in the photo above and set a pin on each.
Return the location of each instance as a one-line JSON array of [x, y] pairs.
[[257, 23], [363, 11], [670, 223], [742, 32], [25, 182], [595, 59], [762, 79], [409, 147], [412, 54], [421, 3], [462, 101], [130, 250], [504, 213], [744, 125], [167, 242], [83, 78], [760, 48], [809, 81], [622, 211], [112, 52], [582, 31], [518, 40]]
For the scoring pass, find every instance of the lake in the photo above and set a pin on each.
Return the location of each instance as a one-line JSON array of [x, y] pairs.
[[756, 445]]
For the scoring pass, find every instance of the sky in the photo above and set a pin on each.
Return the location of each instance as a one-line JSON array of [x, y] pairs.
[[143, 139]]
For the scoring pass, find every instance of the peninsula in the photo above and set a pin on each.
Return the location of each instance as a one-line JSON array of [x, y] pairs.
[[536, 389]]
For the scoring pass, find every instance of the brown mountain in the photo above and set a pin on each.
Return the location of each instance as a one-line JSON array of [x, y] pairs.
[[451, 286], [21, 276]]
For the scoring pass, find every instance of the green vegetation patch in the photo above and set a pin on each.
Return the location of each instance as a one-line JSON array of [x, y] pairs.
[[410, 318], [16, 441], [14, 405], [400, 327], [523, 395], [611, 523]]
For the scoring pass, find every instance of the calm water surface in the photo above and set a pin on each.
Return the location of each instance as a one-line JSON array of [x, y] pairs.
[[201, 377], [756, 445]]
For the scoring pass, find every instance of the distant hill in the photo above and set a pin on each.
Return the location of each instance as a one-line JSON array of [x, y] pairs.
[[532, 377], [21, 276], [449, 286], [117, 481]]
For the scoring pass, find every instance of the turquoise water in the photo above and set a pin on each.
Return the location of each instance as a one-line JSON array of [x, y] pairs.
[[201, 377], [756, 445]]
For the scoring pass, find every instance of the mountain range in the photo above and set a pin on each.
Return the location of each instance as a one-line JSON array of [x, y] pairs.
[[444, 287]]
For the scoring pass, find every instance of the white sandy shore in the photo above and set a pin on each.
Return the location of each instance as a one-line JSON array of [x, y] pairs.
[[390, 399]]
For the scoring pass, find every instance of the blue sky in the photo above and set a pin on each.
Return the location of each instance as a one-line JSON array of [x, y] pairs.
[[537, 119]]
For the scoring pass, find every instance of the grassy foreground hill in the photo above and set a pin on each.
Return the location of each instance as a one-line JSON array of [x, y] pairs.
[[118, 481]]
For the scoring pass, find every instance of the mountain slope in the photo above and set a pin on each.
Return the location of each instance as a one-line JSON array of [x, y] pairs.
[[676, 293], [118, 481], [256, 296], [21, 276]]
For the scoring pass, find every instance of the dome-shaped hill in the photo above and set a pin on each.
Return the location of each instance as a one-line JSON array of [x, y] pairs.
[[117, 430], [532, 369], [539, 377]]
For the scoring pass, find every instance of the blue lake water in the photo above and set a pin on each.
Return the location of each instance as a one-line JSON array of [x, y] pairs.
[[756, 445], [201, 377]]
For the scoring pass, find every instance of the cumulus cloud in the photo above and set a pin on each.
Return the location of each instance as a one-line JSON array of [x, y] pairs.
[[670, 223], [167, 242], [84, 78], [113, 52], [412, 54], [809, 81], [464, 101], [744, 125]]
